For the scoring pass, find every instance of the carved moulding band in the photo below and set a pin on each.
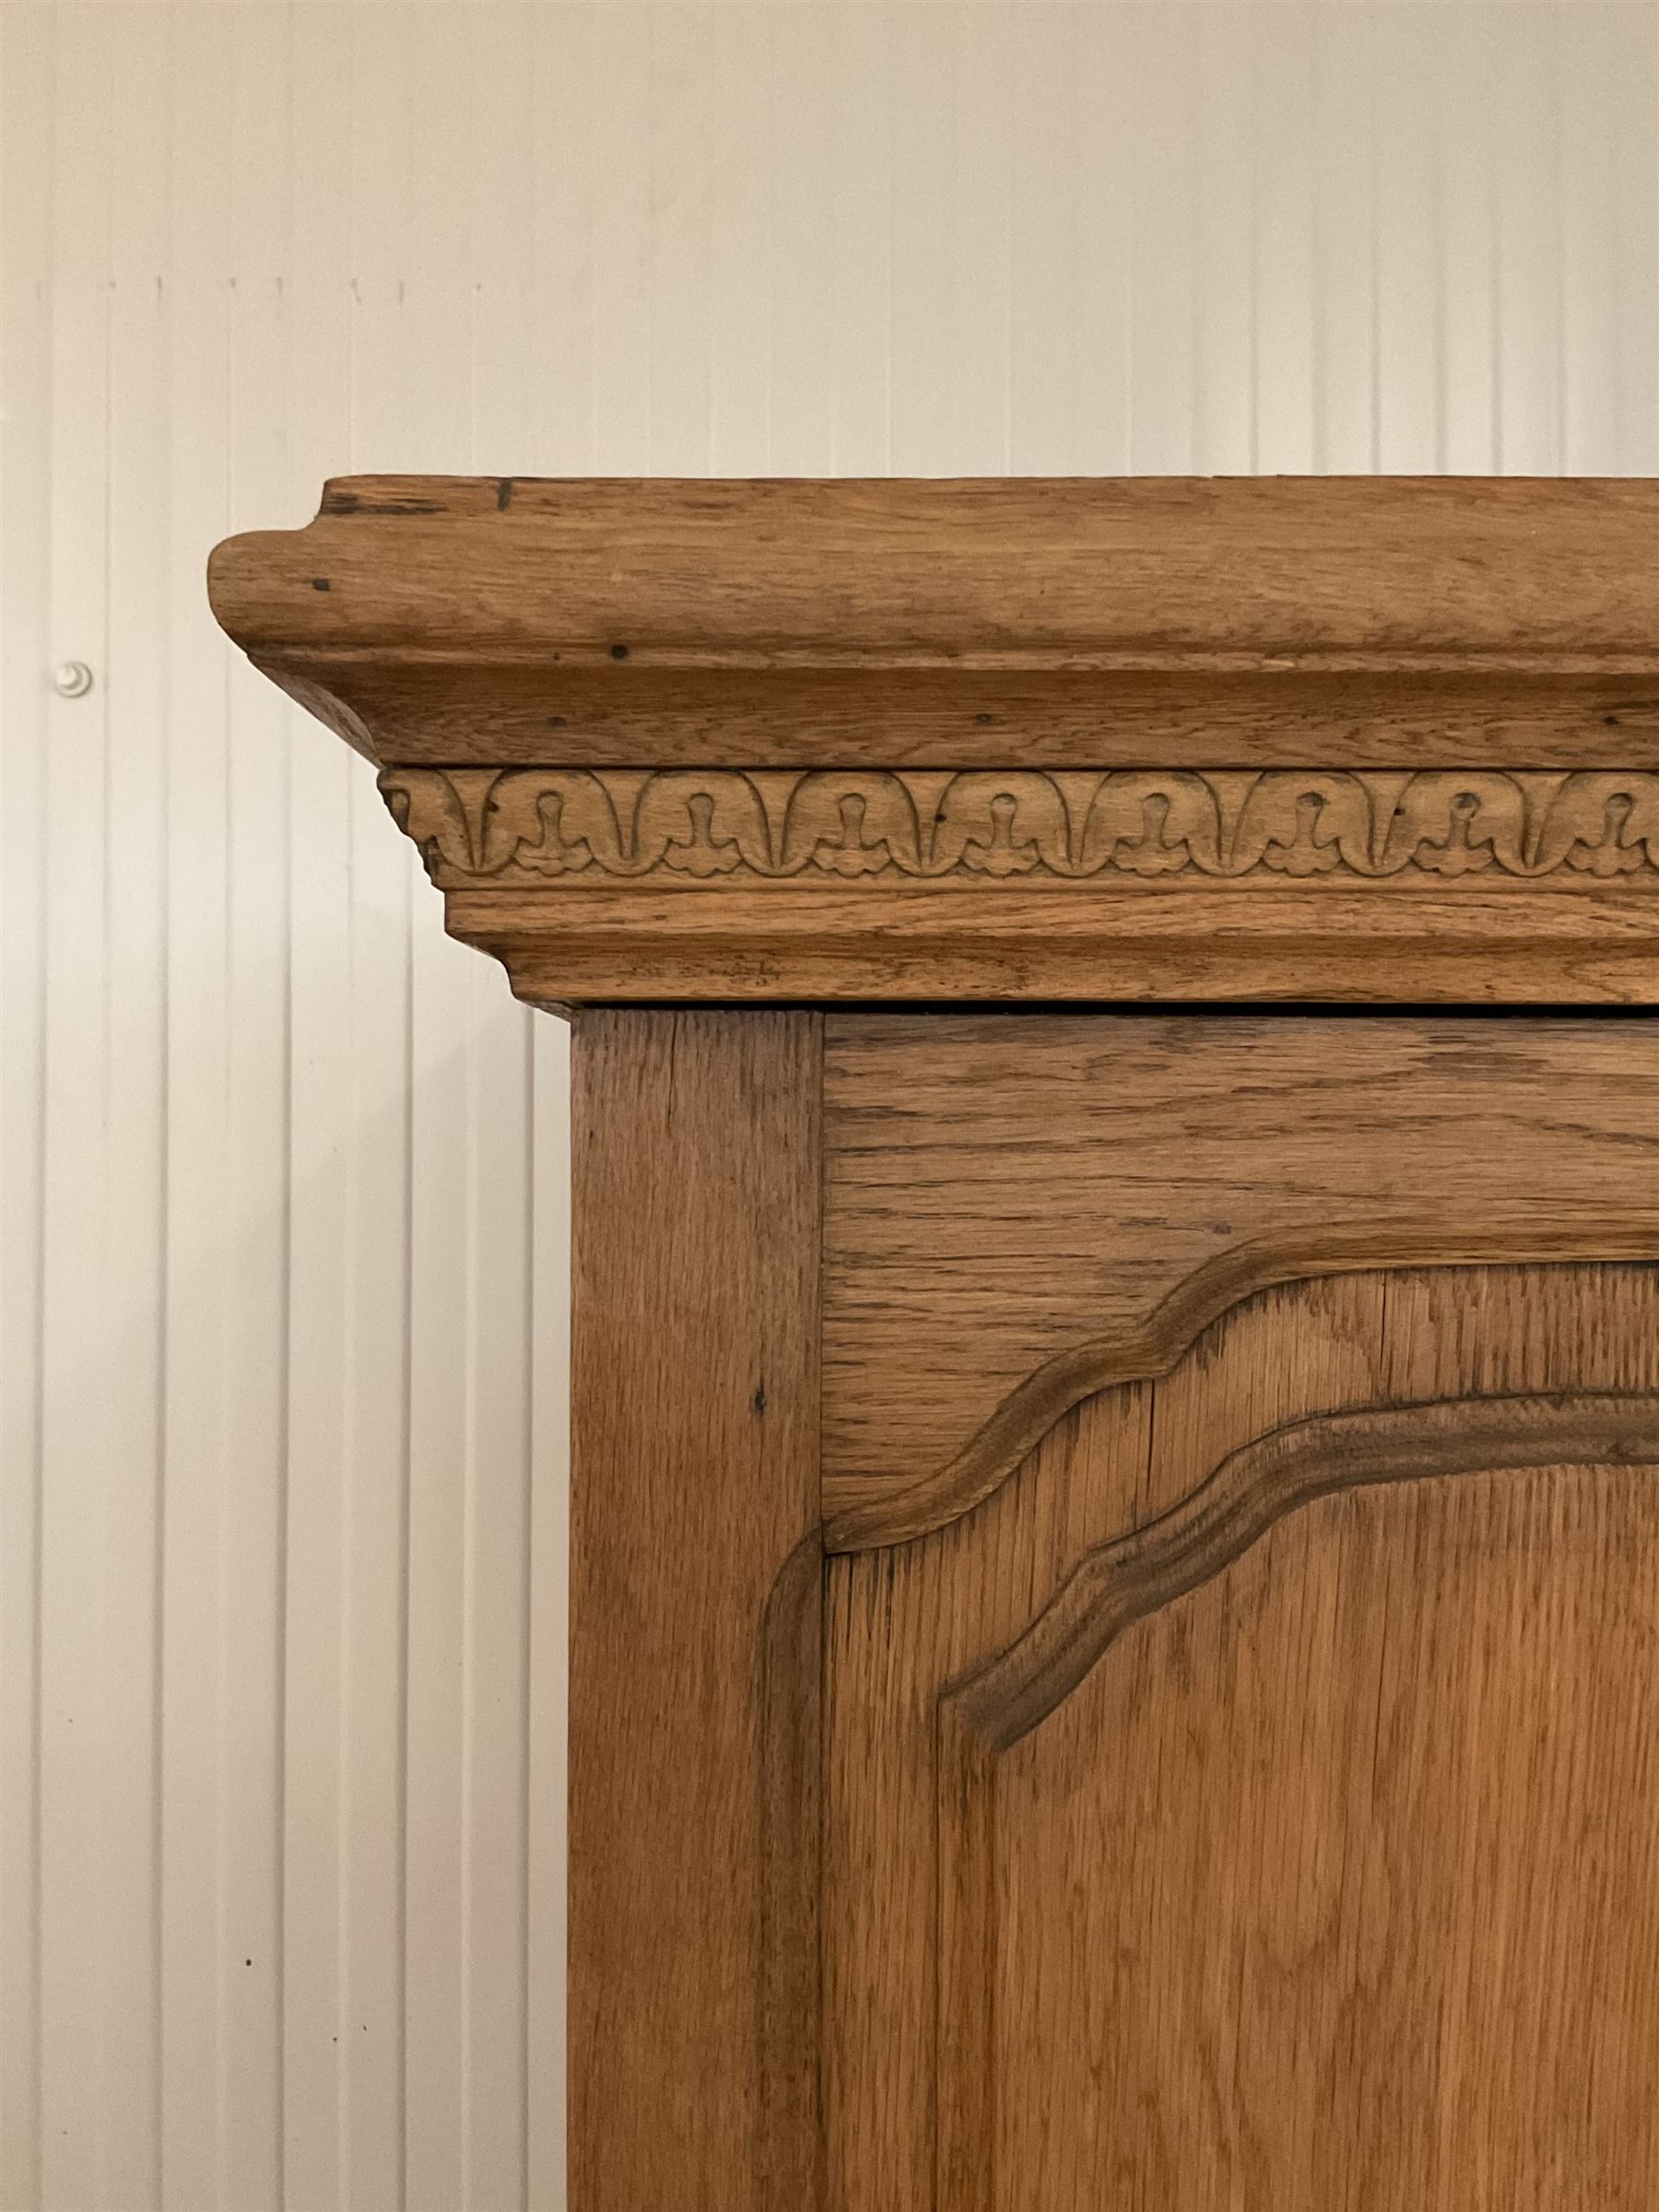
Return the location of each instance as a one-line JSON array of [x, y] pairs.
[[1120, 1582], [478, 827], [901, 1511]]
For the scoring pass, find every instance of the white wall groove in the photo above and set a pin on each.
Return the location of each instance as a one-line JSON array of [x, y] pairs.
[[282, 1257]]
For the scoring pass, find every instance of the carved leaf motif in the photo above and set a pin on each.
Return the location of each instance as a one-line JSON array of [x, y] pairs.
[[701, 824], [432, 808], [1002, 825], [854, 825], [1604, 825], [1152, 823], [552, 824], [1312, 850], [1309, 825], [1460, 824], [851, 825]]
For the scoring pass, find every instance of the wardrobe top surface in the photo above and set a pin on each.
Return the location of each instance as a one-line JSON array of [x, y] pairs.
[[1044, 573]]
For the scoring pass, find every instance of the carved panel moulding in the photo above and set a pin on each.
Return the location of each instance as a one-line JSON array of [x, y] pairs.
[[1327, 738], [529, 826]]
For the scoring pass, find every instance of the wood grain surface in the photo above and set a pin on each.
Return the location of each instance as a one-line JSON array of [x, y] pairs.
[[1331, 1881], [1003, 738], [696, 1601], [523, 707], [1382, 572], [1020, 1210], [1525, 943]]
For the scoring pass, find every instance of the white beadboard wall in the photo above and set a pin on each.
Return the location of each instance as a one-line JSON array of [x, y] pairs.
[[281, 1506]]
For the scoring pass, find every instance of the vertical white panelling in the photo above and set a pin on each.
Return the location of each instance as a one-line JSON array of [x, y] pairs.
[[559, 248], [1409, 167], [1528, 222], [1043, 225], [1607, 248], [281, 1345], [1284, 104], [26, 157], [1463, 184], [736, 191], [362, 57], [256, 1231], [502, 180], [1100, 45], [133, 1131], [798, 154], [1162, 289], [616, 86], [88, 2133], [927, 378], [221, 2082], [416, 315], [976, 190], [556, 264], [682, 127], [500, 1128], [1344, 215], [322, 1313], [1629, 85], [854, 256], [339, 1906], [496, 1285]]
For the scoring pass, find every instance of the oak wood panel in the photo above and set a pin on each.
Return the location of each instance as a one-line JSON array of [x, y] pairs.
[[696, 1603], [1021, 1209], [1189, 1964], [904, 1621], [1382, 1927]]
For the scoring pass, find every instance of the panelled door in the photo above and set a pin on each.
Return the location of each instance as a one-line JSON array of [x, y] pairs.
[[1241, 1730]]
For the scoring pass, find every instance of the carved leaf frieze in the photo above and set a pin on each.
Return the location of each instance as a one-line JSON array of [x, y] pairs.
[[480, 826]]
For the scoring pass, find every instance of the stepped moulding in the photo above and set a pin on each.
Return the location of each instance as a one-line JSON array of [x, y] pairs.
[[1339, 738]]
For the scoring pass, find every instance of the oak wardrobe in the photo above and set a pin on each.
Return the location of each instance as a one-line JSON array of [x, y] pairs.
[[1115, 1554]]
